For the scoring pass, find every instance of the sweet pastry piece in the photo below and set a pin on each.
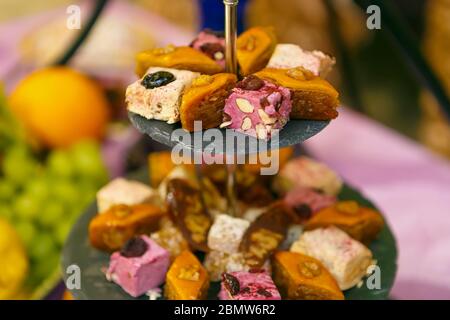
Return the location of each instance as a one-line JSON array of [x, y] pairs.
[[265, 234], [304, 172], [141, 265], [218, 262], [158, 94], [257, 107], [226, 233], [300, 277], [170, 238], [312, 97], [255, 163], [182, 58], [254, 49], [212, 44], [159, 166], [109, 231], [184, 204], [345, 258], [306, 202], [361, 223], [205, 99], [252, 285], [123, 191], [288, 56], [186, 279]]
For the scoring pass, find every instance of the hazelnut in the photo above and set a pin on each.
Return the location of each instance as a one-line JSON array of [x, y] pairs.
[[300, 73]]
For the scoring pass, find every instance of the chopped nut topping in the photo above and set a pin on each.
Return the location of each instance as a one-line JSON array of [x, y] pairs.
[[198, 225], [122, 210], [348, 207], [203, 80], [249, 45], [165, 50], [225, 124], [266, 119], [309, 269], [190, 272], [246, 124], [244, 105], [300, 73]]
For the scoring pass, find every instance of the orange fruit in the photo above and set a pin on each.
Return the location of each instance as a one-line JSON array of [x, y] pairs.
[[60, 106]]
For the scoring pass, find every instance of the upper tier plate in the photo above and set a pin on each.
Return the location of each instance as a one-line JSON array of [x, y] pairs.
[[294, 132]]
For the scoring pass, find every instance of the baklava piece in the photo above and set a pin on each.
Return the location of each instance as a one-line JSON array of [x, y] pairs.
[[313, 98], [186, 279], [109, 231], [300, 277], [254, 49], [361, 223], [345, 258], [205, 99]]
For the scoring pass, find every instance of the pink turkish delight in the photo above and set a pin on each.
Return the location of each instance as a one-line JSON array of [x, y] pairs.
[[307, 201], [252, 285], [140, 266], [212, 44], [257, 107]]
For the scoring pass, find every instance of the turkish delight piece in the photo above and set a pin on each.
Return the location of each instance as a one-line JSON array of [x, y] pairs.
[[361, 223], [186, 279], [170, 238], [158, 94], [265, 234], [140, 266], [109, 231], [254, 49], [218, 262], [256, 107], [305, 172], [251, 285], [204, 101], [226, 233], [123, 191], [288, 56], [313, 98], [300, 277], [345, 258], [212, 44], [306, 202]]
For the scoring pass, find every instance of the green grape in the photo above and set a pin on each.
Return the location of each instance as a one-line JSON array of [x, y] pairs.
[[7, 190], [59, 163], [26, 207], [18, 165], [87, 160], [45, 265], [65, 192], [51, 214], [37, 189], [6, 211], [62, 232], [42, 247], [26, 231]]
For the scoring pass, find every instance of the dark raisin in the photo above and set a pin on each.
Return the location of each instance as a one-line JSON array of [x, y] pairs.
[[231, 283], [210, 49], [264, 292], [303, 211], [245, 290], [135, 247], [256, 270], [157, 79], [251, 83]]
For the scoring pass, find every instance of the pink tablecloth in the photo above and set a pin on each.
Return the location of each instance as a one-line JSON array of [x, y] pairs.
[[412, 188]]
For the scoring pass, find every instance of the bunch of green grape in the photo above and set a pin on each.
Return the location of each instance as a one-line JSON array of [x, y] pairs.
[[43, 198]]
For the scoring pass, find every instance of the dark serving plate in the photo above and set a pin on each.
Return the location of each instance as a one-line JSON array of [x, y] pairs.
[[77, 251], [294, 132]]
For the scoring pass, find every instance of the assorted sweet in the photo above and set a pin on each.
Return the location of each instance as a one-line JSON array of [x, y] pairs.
[[300, 277], [122, 191], [256, 107], [292, 237], [140, 265], [212, 44], [251, 285], [158, 94], [304, 172], [186, 279], [205, 99], [110, 230], [254, 49], [279, 82], [289, 56], [313, 98], [345, 258], [361, 223]]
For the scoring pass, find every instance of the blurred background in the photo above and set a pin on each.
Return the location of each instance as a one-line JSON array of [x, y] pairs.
[[64, 131]]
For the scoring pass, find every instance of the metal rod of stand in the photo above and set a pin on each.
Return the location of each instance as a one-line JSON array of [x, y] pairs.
[[231, 67]]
